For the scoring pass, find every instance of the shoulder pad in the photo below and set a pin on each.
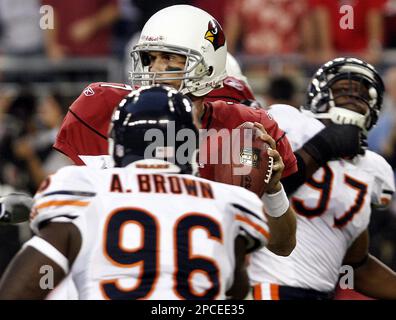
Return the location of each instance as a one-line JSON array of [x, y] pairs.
[[63, 195], [299, 127]]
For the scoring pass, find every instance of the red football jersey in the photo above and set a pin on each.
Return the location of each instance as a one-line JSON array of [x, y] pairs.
[[225, 115], [85, 128]]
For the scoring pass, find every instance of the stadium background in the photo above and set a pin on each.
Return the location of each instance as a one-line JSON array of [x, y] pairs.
[[278, 43]]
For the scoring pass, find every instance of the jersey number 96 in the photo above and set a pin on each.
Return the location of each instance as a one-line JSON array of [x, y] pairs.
[[147, 256]]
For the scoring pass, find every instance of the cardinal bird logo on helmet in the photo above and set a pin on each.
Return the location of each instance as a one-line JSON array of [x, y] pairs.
[[215, 34]]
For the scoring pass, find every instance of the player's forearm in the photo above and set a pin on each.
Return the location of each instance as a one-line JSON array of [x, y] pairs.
[[240, 287], [24, 278], [375, 280], [281, 221], [283, 233], [306, 168]]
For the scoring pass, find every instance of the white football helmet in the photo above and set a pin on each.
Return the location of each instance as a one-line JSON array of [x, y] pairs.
[[188, 31]]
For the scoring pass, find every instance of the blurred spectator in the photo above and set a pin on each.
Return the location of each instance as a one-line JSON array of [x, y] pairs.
[[383, 236], [215, 8], [234, 69], [36, 149], [16, 120], [266, 26], [364, 39], [281, 90], [9, 245], [20, 32], [380, 137], [390, 24], [126, 26], [149, 7], [11, 236], [82, 28]]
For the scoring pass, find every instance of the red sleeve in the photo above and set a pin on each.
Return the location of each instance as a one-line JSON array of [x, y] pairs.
[[85, 127]]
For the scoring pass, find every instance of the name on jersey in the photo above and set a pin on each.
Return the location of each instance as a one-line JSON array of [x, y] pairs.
[[167, 184]]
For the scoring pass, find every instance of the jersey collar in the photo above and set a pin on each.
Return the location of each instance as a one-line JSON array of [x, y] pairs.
[[153, 166]]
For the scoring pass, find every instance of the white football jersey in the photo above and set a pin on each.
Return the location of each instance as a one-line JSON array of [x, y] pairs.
[[147, 234], [333, 209]]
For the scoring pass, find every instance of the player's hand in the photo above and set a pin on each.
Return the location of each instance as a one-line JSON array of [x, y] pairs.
[[274, 184]]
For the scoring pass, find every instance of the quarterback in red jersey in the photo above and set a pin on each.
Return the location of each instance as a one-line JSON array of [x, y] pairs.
[[85, 127], [193, 61]]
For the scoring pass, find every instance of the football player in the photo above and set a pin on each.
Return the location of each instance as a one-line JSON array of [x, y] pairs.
[[334, 206], [184, 47], [146, 229]]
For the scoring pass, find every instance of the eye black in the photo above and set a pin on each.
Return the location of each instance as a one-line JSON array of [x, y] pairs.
[[146, 59]]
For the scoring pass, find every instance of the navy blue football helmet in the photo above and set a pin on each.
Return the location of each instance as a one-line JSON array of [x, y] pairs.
[[149, 123], [320, 98]]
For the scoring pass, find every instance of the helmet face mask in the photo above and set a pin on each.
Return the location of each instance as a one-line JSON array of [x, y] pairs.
[[347, 91], [187, 31], [194, 68]]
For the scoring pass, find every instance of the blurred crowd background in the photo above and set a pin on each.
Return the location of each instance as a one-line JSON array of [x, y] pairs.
[[278, 43]]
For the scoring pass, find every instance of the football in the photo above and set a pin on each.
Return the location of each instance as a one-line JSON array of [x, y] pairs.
[[244, 160]]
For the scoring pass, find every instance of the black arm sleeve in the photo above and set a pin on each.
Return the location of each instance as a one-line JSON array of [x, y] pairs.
[[292, 182]]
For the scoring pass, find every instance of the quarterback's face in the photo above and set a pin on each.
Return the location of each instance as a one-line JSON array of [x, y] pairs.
[[163, 61], [351, 95]]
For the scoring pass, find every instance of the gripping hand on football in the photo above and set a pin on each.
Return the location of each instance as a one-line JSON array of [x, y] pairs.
[[280, 215], [278, 166]]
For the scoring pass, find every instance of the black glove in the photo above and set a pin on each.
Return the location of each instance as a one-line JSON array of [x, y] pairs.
[[336, 141], [15, 208]]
